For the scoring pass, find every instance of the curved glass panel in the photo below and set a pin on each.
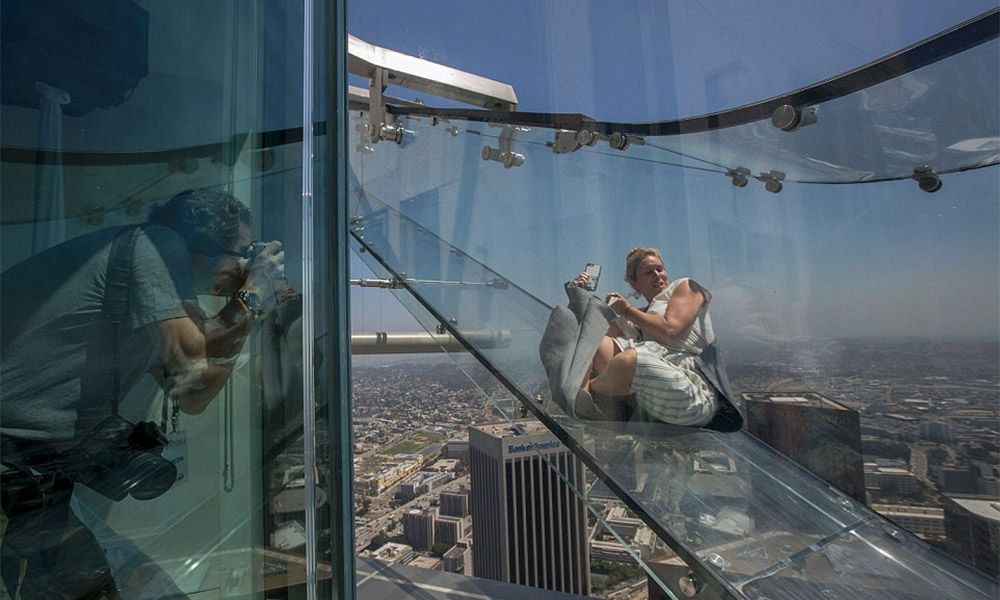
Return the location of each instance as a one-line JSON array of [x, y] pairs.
[[811, 290], [139, 118], [886, 131]]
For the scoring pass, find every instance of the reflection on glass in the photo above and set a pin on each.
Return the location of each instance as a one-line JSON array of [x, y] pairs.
[[151, 390]]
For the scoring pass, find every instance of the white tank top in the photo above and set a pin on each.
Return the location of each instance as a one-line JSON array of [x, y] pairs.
[[693, 341]]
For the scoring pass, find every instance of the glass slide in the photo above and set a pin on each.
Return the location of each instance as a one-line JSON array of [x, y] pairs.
[[830, 214]]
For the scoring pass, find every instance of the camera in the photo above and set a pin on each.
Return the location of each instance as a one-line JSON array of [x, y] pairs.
[[118, 458], [253, 249]]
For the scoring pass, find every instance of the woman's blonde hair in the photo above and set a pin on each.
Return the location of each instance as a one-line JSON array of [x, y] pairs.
[[635, 256]]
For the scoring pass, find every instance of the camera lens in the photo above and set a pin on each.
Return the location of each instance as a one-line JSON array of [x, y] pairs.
[[148, 476]]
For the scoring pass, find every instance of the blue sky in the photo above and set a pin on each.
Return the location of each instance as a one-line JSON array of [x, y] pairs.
[[919, 264], [633, 60]]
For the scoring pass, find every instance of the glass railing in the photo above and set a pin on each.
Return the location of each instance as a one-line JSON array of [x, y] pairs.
[[799, 281]]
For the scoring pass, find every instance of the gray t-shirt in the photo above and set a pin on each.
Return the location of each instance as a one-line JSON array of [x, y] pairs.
[[55, 342]]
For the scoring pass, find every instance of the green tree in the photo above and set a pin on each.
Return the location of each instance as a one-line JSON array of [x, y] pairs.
[[402, 498], [378, 541], [439, 549], [886, 449]]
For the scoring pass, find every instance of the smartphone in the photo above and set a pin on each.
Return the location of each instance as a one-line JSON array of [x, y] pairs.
[[593, 271]]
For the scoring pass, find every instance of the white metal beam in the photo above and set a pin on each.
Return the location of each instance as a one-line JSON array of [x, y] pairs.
[[428, 77]]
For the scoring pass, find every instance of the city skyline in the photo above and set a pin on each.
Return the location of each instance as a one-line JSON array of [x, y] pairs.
[[896, 387]]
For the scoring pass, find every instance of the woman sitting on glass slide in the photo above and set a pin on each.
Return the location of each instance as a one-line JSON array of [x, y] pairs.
[[652, 353]]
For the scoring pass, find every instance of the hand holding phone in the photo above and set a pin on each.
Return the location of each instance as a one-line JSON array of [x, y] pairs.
[[593, 272]]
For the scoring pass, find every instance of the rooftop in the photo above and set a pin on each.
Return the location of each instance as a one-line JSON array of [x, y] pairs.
[[795, 398], [518, 428], [983, 506]]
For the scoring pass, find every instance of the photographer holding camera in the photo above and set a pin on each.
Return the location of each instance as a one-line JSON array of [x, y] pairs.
[[82, 323]]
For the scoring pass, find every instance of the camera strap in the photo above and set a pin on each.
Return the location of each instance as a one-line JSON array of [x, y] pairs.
[[116, 295]]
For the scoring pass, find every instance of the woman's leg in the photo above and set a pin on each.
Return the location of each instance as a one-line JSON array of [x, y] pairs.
[[605, 352], [616, 378]]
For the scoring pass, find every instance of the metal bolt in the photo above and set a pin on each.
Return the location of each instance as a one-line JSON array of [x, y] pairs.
[[392, 133], [927, 179], [788, 118], [95, 214], [690, 585], [512, 159], [772, 180], [618, 141], [785, 118], [740, 176]]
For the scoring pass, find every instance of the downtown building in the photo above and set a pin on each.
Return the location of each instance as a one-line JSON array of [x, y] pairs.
[[972, 526], [529, 526], [454, 504], [418, 528], [821, 435]]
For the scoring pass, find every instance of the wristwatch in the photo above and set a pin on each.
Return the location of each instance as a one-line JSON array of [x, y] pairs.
[[252, 301]]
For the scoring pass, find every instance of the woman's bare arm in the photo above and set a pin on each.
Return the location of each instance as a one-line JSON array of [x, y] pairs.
[[680, 313]]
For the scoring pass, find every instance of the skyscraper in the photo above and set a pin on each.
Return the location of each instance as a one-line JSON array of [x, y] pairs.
[[972, 524], [530, 528], [818, 433], [418, 528], [454, 504], [459, 558], [448, 530]]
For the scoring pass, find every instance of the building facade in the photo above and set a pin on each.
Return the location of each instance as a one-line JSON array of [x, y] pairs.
[[448, 530], [418, 528], [972, 524], [454, 504], [459, 558], [528, 525], [818, 433]]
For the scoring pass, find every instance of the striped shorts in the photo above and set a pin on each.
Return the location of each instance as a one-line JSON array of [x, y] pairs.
[[668, 386]]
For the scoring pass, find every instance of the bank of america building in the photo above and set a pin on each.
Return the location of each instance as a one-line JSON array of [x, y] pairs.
[[529, 525]]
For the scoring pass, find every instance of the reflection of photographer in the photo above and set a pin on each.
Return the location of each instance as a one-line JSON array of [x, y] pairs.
[[82, 323]]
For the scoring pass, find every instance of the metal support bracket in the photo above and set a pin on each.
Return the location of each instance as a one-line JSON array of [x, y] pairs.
[[927, 179], [570, 141], [789, 118], [412, 343], [772, 180], [396, 283], [504, 153], [739, 175], [621, 141], [385, 284], [381, 124]]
